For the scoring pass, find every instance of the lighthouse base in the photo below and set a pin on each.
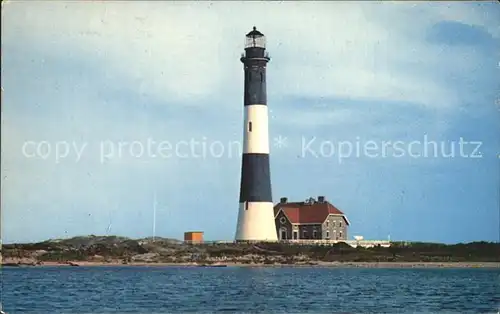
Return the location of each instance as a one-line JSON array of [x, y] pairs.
[[256, 222]]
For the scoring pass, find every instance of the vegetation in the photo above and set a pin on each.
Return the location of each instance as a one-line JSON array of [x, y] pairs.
[[124, 250]]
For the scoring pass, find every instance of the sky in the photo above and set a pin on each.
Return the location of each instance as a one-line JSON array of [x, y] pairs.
[[388, 109]]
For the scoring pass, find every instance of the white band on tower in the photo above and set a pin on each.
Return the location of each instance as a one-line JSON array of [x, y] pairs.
[[256, 135]]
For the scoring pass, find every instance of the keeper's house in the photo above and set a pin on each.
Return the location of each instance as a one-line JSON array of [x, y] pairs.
[[310, 220]]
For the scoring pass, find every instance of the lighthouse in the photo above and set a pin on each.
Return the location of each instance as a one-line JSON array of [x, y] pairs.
[[256, 213]]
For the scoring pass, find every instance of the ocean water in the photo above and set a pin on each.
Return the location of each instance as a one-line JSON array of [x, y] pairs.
[[129, 289]]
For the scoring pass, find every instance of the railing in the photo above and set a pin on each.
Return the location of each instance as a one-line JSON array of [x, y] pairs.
[[353, 243]]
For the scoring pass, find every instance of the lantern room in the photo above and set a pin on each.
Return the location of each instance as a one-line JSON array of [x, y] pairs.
[[255, 49], [255, 39]]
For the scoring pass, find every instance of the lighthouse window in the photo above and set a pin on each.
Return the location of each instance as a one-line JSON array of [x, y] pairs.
[[250, 126]]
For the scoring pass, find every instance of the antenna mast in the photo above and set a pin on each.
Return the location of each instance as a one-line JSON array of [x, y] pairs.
[[154, 216]]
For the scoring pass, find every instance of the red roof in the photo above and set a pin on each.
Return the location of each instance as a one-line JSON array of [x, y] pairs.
[[302, 212]]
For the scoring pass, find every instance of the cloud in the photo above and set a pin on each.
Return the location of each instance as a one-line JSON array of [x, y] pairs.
[[182, 51]]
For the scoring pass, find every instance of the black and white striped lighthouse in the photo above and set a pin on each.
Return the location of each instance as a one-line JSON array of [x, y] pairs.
[[256, 213]]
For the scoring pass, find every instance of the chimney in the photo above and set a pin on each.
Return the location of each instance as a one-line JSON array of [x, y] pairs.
[[321, 199], [283, 200]]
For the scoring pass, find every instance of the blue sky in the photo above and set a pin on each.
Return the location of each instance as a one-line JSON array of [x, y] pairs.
[[94, 74]]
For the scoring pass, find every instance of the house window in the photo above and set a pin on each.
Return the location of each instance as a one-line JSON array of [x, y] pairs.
[[283, 220], [328, 234], [304, 234], [246, 205], [314, 234], [340, 235], [249, 126], [340, 223], [327, 223]]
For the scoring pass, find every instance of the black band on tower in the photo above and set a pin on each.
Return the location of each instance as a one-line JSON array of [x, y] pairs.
[[255, 179], [255, 86], [255, 61]]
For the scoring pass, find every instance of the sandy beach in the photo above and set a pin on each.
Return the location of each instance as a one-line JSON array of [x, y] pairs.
[[312, 264]]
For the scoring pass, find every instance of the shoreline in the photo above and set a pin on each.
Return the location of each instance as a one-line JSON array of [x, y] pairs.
[[393, 265]]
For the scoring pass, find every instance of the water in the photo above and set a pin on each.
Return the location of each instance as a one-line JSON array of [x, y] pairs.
[[233, 289]]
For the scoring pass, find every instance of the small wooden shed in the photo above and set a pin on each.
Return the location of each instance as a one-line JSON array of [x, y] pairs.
[[193, 236]]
